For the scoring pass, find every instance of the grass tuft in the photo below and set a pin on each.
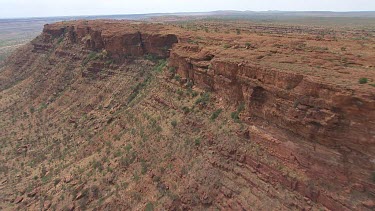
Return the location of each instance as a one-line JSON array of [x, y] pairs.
[[363, 81]]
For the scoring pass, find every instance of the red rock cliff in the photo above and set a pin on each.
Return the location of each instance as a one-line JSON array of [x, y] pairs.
[[119, 41], [322, 130], [328, 130]]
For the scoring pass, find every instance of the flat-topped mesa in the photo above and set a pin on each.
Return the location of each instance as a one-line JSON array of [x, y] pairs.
[[118, 39], [327, 128], [310, 133]]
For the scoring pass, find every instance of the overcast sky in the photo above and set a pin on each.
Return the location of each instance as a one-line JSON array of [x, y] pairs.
[[41, 8]]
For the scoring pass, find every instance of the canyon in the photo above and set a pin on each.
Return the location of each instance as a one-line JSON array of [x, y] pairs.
[[134, 115]]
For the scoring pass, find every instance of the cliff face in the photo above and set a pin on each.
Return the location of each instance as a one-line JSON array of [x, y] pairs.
[[269, 128], [129, 41], [326, 131]]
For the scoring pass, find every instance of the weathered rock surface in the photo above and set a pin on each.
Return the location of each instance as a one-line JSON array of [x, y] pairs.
[[304, 141], [117, 39]]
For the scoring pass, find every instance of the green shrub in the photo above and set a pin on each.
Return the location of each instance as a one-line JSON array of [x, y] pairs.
[[186, 109], [125, 161], [151, 57], [109, 62], [226, 46], [118, 153], [60, 40], [174, 123], [136, 176], [180, 92], [235, 115], [190, 41], [190, 84], [177, 78], [149, 207], [194, 94], [197, 141], [172, 70], [128, 148], [92, 56], [98, 165], [144, 167], [363, 80], [203, 100], [216, 114], [42, 106], [162, 63], [137, 89]]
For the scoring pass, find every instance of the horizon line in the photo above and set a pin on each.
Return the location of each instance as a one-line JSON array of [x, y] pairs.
[[177, 13]]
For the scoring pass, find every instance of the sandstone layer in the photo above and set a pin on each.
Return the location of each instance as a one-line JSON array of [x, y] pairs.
[[295, 129]]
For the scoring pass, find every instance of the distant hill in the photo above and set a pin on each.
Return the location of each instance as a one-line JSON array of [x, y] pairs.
[[363, 14]]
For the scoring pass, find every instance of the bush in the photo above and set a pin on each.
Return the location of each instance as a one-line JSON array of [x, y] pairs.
[[174, 123], [190, 41], [203, 100], [151, 57], [235, 115], [56, 182], [363, 80], [216, 114], [172, 70], [162, 63], [109, 62], [92, 56], [194, 94], [177, 78], [125, 161], [226, 46], [118, 153], [42, 106], [60, 40], [197, 141], [149, 207], [137, 89], [190, 84], [180, 92], [98, 165], [186, 109], [144, 167]]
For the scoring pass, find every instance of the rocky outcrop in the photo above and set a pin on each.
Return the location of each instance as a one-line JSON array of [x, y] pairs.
[[327, 130], [135, 40]]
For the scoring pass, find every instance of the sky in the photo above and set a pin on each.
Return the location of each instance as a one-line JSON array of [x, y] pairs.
[[45, 8]]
